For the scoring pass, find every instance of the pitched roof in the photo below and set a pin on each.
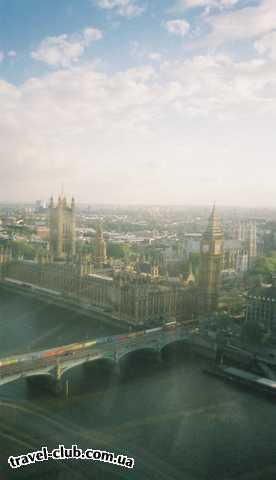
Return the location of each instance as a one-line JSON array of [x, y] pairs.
[[214, 229]]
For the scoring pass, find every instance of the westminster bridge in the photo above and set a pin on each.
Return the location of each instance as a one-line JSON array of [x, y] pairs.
[[47, 367]]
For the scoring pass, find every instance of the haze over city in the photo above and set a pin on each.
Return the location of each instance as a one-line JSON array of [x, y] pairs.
[[137, 239], [128, 101]]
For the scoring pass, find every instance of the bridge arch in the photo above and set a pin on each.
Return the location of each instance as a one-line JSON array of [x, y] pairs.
[[136, 362], [104, 362], [142, 351], [92, 366], [175, 350], [43, 380], [174, 342]]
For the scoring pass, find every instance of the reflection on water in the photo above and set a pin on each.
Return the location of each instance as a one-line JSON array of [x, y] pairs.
[[176, 422]]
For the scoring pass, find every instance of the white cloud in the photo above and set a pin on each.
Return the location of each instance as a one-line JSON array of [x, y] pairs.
[[242, 24], [125, 8], [182, 5], [2, 56], [267, 45], [208, 85], [178, 27], [155, 56], [137, 51], [12, 53], [98, 133], [65, 49]]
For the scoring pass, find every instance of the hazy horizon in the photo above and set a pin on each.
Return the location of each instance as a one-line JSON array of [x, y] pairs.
[[171, 102], [106, 205]]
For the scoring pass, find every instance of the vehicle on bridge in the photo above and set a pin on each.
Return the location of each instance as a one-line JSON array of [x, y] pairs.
[[53, 357]]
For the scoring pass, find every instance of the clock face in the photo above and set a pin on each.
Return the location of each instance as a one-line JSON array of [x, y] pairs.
[[205, 248], [217, 248]]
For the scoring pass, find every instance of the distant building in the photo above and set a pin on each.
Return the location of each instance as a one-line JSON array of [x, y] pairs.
[[149, 290], [191, 243], [143, 300], [100, 253], [5, 258], [62, 229], [42, 232], [149, 268], [211, 262], [40, 206], [235, 256], [173, 257], [131, 297], [261, 308], [247, 233], [189, 279]]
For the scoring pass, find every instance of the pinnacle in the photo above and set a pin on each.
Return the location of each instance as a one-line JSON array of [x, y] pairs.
[[214, 227]]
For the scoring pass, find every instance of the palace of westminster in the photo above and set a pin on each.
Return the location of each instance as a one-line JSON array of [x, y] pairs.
[[126, 292]]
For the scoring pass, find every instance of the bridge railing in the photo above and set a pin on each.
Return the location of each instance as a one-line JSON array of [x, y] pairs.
[[55, 356]]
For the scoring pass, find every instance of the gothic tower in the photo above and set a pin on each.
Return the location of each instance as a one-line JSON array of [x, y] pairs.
[[248, 235], [5, 259], [62, 229], [100, 253], [252, 242], [211, 257]]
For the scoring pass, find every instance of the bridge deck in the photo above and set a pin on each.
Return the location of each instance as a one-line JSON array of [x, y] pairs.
[[57, 360]]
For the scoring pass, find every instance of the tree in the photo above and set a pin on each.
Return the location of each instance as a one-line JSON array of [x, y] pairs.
[[21, 248], [252, 332], [263, 267], [117, 250]]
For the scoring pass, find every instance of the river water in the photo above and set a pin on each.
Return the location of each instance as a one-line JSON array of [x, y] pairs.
[[176, 422]]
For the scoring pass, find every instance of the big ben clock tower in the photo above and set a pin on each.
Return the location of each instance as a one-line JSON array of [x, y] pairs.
[[211, 257]]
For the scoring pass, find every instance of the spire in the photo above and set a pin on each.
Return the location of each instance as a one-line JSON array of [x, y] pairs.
[[99, 231], [190, 266], [214, 229]]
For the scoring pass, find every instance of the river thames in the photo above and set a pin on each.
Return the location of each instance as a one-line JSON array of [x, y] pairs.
[[176, 422]]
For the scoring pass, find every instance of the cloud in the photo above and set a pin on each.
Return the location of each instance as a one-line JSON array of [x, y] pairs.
[[65, 49], [178, 27], [154, 56], [242, 24], [96, 131], [267, 45], [218, 85], [2, 56], [124, 8], [12, 53], [182, 5], [137, 51]]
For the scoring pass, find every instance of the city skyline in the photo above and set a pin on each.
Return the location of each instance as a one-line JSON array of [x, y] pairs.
[[129, 102]]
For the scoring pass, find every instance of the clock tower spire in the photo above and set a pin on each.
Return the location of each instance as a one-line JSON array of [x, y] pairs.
[[211, 257]]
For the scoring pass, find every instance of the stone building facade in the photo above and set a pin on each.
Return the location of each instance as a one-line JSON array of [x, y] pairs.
[[211, 262], [100, 250], [235, 256], [142, 298], [261, 308], [136, 298], [62, 229], [247, 233]]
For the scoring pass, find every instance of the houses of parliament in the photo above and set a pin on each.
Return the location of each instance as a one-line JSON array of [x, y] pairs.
[[128, 293]]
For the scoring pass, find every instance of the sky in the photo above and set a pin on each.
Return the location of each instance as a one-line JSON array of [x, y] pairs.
[[139, 101]]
